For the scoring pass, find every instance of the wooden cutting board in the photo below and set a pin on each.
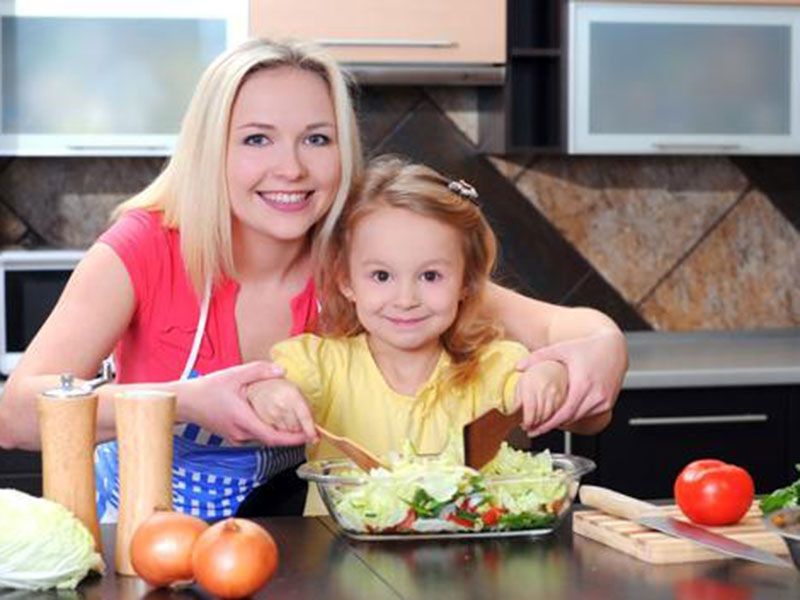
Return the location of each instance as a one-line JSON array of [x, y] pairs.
[[656, 547]]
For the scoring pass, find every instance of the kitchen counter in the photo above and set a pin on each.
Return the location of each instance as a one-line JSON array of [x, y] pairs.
[[718, 358], [316, 562]]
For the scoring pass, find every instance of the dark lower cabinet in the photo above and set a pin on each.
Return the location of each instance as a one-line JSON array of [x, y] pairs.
[[655, 433], [21, 470]]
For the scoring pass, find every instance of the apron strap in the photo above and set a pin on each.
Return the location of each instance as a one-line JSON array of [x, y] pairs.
[[201, 328]]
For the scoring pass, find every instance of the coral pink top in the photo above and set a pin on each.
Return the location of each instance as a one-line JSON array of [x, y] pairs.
[[156, 345]]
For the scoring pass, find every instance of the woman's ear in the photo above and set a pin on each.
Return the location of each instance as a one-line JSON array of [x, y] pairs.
[[346, 290]]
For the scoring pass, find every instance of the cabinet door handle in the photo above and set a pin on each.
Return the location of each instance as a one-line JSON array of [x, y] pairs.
[[689, 147], [387, 42], [696, 420], [123, 147]]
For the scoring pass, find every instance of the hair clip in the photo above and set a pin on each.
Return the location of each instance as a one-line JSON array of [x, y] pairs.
[[462, 188]]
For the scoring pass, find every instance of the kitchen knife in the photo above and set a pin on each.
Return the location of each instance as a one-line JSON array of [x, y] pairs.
[[483, 436], [646, 514]]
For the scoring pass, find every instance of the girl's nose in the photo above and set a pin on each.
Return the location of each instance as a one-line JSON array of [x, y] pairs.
[[407, 295]]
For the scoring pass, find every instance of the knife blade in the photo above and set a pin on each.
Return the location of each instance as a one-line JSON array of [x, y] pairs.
[[643, 513]]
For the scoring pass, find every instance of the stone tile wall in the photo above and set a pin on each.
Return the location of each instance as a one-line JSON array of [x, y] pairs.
[[666, 243]]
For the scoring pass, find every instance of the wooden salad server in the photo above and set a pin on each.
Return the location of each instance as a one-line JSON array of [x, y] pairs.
[[483, 436], [363, 458]]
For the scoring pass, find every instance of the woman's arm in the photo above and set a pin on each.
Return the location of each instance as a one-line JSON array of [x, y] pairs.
[[588, 342], [93, 312]]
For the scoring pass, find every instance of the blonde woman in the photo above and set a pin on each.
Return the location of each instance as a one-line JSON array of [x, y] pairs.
[[211, 264]]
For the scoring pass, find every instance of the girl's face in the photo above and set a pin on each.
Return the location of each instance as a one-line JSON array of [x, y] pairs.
[[283, 158], [406, 277]]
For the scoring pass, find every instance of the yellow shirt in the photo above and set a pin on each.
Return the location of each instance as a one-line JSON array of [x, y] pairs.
[[348, 395]]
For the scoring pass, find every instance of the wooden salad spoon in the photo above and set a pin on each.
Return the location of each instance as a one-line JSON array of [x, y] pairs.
[[363, 458]]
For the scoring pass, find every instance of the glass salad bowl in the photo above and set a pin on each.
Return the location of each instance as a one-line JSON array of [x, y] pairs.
[[517, 493]]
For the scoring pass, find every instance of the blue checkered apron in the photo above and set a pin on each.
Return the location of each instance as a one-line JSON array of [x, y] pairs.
[[210, 476]]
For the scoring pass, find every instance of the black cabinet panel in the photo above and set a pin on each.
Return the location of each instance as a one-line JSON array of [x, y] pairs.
[[655, 433], [21, 470]]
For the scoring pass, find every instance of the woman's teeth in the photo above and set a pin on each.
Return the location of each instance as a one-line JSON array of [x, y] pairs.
[[284, 198]]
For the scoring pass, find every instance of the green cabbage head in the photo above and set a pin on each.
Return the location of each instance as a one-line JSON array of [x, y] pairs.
[[42, 544]]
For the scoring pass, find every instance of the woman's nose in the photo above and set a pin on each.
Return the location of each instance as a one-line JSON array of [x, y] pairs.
[[289, 163]]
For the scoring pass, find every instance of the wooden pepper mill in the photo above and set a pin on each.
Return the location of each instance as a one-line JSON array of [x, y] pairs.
[[144, 421], [67, 419]]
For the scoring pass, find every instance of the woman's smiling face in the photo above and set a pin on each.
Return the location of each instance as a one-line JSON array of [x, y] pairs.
[[283, 164]]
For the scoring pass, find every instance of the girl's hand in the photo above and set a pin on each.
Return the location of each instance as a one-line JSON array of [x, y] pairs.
[[218, 402], [541, 390], [597, 364], [280, 405]]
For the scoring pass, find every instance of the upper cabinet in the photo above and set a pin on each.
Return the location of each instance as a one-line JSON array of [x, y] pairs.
[[467, 37], [681, 78]]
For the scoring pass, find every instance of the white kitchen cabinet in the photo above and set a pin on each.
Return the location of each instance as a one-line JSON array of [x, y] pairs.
[[388, 32], [683, 78]]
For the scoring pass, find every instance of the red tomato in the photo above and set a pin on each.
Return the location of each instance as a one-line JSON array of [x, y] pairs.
[[711, 492]]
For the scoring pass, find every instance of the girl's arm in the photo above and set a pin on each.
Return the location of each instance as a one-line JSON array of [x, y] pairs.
[[92, 313], [588, 342]]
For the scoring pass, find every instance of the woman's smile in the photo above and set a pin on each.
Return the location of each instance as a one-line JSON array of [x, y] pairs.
[[286, 201]]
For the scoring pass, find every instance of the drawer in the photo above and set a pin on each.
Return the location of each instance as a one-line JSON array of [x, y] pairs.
[[655, 433], [414, 31]]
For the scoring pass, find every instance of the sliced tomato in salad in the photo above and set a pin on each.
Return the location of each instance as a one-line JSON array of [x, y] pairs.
[[492, 516]]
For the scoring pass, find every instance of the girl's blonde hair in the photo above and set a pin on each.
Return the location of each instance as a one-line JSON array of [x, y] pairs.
[[392, 182], [192, 190]]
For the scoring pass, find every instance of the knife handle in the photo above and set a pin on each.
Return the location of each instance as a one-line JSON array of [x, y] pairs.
[[614, 503]]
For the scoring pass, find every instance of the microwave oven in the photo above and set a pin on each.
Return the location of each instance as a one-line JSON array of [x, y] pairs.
[[678, 78], [31, 282], [100, 78]]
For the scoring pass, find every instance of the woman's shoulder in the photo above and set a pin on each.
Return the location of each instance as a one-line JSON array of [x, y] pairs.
[[136, 226]]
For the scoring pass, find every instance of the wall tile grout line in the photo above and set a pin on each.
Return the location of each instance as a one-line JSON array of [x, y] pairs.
[[692, 247]]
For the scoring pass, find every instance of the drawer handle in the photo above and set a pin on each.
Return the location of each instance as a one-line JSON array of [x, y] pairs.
[[696, 420], [387, 42], [697, 147]]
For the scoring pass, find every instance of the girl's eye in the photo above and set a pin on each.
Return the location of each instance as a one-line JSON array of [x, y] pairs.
[[256, 139], [431, 276], [318, 139], [380, 276]]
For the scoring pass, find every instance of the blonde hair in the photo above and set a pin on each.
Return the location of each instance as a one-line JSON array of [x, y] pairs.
[[191, 190], [392, 182]]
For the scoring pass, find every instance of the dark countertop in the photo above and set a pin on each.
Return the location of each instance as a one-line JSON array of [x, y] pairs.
[[316, 562], [713, 358]]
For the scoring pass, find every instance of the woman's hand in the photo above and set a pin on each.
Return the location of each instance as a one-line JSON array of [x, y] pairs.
[[596, 364], [218, 402], [541, 390], [282, 407]]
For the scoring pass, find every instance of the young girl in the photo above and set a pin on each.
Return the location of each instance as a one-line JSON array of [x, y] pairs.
[[410, 351]]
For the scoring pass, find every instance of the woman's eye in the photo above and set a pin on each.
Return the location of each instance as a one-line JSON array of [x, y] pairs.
[[380, 276], [318, 139], [257, 139], [431, 276]]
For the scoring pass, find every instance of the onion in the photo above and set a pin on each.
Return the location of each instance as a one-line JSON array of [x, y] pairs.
[[161, 547], [234, 558]]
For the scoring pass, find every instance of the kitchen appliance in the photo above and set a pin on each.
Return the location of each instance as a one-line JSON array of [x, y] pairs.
[[683, 78], [95, 78], [618, 525], [31, 282]]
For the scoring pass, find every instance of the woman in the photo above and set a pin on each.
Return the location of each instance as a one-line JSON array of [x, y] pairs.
[[210, 265]]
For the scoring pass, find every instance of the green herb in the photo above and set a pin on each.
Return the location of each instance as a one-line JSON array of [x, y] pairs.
[[525, 520], [783, 497], [426, 506]]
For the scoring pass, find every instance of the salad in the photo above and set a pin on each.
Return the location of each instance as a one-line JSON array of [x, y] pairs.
[[515, 491]]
